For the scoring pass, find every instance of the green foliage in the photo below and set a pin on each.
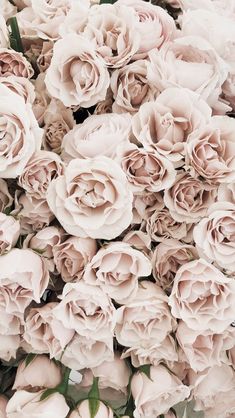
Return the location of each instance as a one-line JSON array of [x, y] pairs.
[[15, 38]]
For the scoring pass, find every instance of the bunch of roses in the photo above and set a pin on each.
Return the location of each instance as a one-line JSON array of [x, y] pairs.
[[117, 209]]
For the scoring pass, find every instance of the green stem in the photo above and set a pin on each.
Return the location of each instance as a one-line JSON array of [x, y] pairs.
[[63, 387], [15, 38]]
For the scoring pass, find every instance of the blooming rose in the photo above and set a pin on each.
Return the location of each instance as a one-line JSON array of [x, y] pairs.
[[3, 404], [189, 199], [4, 36], [42, 99], [131, 88], [156, 395], [77, 75], [203, 297], [9, 346], [44, 59], [165, 125], [41, 372], [6, 199], [21, 86], [14, 63], [97, 135], [139, 240], [210, 151], [226, 193], [20, 134], [116, 269], [154, 25], [44, 333], [146, 169], [72, 255], [76, 18], [145, 204], [83, 411], [92, 198], [26, 405], [9, 232], [167, 257]]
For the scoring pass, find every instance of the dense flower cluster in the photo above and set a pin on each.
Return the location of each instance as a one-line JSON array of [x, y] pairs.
[[117, 208]]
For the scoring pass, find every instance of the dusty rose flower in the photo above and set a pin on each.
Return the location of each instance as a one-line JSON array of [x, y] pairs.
[[139, 240], [6, 199], [9, 232], [189, 199], [44, 59], [72, 256], [145, 204], [40, 170], [215, 235], [131, 88], [97, 135], [3, 404], [146, 169], [214, 391], [154, 25], [14, 63], [44, 333], [204, 349], [26, 404], [83, 411], [146, 320], [92, 198], [9, 347], [58, 122], [210, 151], [21, 86], [226, 192], [165, 125], [77, 75], [177, 64], [20, 134], [41, 372], [203, 297], [116, 269], [4, 37], [112, 29], [105, 106], [42, 99], [156, 395], [168, 256], [76, 19]]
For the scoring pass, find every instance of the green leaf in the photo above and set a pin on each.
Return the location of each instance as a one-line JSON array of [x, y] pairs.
[[145, 369], [47, 393], [7, 211], [30, 357], [94, 391], [15, 38], [93, 406]]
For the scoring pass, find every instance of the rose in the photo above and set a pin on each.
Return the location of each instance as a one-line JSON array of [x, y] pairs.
[[189, 199], [44, 59], [4, 37], [7, 11], [146, 169], [3, 404], [92, 198], [154, 25], [112, 29], [26, 404], [177, 64], [20, 134], [203, 297], [156, 395], [14, 63], [204, 349], [139, 240], [145, 204], [165, 126], [40, 170], [131, 88], [9, 346], [116, 269], [42, 99], [9, 232], [209, 151], [21, 86], [226, 193], [76, 75], [83, 411], [41, 372], [44, 333], [97, 135], [76, 18], [6, 199], [167, 257], [72, 255]]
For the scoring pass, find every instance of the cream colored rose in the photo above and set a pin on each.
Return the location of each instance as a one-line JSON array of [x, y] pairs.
[[76, 19], [9, 346], [158, 394], [42, 99], [44, 59], [14, 63], [98, 135], [20, 85], [83, 411], [20, 134], [145, 204], [9, 232], [203, 297], [92, 199], [116, 269], [161, 225], [77, 75], [226, 193]]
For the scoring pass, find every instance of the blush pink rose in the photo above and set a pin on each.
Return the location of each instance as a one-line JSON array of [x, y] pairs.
[[83, 411], [226, 192], [9, 347], [44, 59], [3, 405], [6, 199], [145, 204], [77, 74], [140, 240], [203, 297], [42, 99], [158, 394], [98, 135], [92, 198], [116, 269], [14, 63], [72, 255], [41, 372], [76, 19], [20, 85], [9, 232]]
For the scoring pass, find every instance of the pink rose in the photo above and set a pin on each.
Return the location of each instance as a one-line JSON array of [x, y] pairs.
[[92, 198], [168, 256], [41, 372], [83, 411], [9, 346], [26, 404], [3, 405], [158, 394], [42, 99], [44, 59], [72, 255], [226, 192], [77, 75], [14, 63], [6, 199], [20, 134], [76, 18], [98, 135], [20, 85], [139, 240], [145, 204], [9, 232], [203, 297], [116, 268]]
